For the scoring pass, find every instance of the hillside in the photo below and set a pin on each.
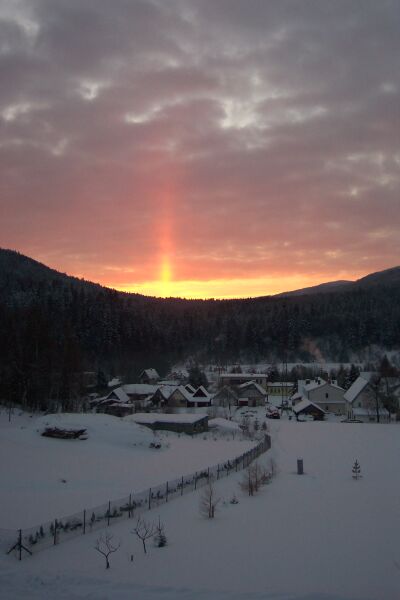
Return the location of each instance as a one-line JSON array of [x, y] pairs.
[[386, 277], [53, 327]]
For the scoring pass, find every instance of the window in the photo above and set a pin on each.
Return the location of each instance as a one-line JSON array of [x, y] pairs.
[[326, 395]]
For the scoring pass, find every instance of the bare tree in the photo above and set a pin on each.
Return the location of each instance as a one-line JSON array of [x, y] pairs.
[[105, 546], [160, 538], [144, 530], [254, 477], [208, 500]]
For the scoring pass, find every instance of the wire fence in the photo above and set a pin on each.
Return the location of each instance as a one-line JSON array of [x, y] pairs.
[[28, 541]]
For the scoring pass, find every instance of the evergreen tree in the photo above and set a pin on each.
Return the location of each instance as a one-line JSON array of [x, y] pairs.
[[356, 470]]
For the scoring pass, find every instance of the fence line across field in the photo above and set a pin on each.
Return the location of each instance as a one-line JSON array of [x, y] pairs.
[[29, 540]]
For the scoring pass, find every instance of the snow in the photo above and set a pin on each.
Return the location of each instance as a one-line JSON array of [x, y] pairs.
[[357, 387], [319, 536], [305, 404], [114, 461], [253, 384], [223, 424], [150, 418]]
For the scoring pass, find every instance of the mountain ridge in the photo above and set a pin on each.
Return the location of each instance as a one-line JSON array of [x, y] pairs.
[[16, 265]]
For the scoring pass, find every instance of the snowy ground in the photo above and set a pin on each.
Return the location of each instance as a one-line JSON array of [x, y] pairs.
[[317, 536], [58, 477]]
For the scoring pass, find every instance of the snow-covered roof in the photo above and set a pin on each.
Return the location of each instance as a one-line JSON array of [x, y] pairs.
[[358, 386], [201, 392], [150, 418], [167, 389], [258, 387], [305, 404], [114, 381], [120, 393], [185, 393], [150, 373], [306, 385], [190, 388], [140, 389], [280, 384], [242, 375]]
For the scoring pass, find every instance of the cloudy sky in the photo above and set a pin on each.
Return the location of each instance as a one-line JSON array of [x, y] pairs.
[[201, 147]]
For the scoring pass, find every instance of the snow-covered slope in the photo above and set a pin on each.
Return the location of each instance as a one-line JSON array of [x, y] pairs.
[[320, 536]]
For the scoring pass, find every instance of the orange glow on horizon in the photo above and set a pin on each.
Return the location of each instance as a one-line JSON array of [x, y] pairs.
[[219, 288]]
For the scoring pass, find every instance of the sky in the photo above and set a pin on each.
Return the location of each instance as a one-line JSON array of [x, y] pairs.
[[201, 148]]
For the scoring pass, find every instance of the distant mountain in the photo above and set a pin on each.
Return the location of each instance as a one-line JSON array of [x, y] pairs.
[[53, 328], [17, 269], [386, 277], [322, 288]]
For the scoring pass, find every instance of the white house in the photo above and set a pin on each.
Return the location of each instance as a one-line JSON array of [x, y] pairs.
[[326, 394], [363, 400]]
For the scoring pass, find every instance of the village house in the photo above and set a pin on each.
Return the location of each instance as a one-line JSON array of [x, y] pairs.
[[279, 389], [251, 394], [149, 376], [326, 394], [127, 398], [226, 397], [364, 399], [307, 408], [274, 390], [181, 397]]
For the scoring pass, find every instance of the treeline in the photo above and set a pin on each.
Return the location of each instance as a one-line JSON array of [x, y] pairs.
[[53, 328]]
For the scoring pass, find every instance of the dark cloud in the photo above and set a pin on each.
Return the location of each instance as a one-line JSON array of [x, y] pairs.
[[239, 138]]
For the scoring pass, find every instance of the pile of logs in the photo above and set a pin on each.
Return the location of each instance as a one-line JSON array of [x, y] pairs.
[[65, 434]]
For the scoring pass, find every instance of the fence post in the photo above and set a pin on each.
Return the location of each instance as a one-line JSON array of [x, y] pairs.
[[218, 471], [182, 487], [20, 544], [55, 532], [108, 513], [195, 480], [130, 506], [149, 498], [166, 493], [84, 521]]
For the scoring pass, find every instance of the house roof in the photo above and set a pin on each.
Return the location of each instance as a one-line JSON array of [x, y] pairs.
[[305, 404], [120, 393], [226, 389], [151, 418], [150, 373], [113, 382], [185, 393], [242, 375], [139, 389], [201, 392], [358, 386], [166, 390], [258, 387]]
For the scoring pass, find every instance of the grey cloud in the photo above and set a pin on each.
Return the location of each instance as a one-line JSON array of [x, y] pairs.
[[256, 110]]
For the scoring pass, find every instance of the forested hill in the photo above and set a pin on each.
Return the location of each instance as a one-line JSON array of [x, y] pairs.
[[53, 326]]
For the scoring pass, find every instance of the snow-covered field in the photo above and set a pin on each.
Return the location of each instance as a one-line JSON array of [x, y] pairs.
[[321, 535], [43, 478]]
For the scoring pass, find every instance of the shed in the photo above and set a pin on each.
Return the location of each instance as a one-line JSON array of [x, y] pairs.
[[180, 423]]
